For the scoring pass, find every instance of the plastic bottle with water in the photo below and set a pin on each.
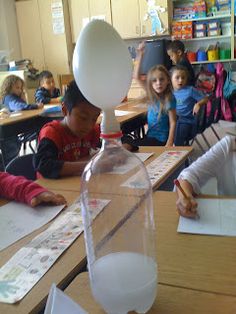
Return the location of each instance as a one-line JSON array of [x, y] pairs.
[[120, 238]]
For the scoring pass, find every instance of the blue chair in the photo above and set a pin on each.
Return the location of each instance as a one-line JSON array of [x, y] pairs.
[[22, 166]]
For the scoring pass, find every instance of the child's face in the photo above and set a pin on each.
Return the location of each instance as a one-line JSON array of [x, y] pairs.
[[82, 118], [159, 81], [179, 79], [48, 83], [17, 88], [175, 57]]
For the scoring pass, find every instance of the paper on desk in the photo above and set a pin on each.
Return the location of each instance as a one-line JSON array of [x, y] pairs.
[[122, 169], [17, 220], [119, 113], [217, 217], [30, 263], [158, 168], [51, 108], [59, 303]]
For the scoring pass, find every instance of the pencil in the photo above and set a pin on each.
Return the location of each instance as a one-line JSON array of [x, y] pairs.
[[176, 182]]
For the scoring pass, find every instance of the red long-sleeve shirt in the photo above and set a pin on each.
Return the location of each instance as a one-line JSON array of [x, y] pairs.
[[18, 188]]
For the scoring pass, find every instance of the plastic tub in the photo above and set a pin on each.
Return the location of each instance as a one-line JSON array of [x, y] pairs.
[[192, 56], [213, 54], [201, 55], [225, 54]]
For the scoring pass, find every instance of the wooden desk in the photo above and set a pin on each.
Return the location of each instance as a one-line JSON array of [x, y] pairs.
[[28, 120], [170, 299], [196, 273], [73, 183], [63, 271]]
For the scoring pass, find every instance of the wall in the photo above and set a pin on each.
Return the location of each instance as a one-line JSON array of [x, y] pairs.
[[9, 36]]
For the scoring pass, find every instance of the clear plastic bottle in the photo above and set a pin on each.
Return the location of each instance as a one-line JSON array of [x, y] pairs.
[[120, 241]]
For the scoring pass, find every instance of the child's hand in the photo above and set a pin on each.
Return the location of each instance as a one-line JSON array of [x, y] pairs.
[[59, 99], [48, 197], [187, 207], [141, 48], [22, 96], [40, 105], [196, 108]]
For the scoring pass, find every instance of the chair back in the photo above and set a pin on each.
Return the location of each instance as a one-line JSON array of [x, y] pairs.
[[64, 80], [22, 166]]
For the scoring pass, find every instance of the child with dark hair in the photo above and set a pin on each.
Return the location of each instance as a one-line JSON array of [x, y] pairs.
[[176, 51], [47, 93], [188, 103], [64, 146]]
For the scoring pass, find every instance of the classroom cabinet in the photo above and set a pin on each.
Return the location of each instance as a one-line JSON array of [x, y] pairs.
[[43, 35], [83, 11], [128, 18]]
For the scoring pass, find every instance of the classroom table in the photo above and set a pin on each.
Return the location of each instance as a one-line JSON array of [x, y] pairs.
[[196, 273], [170, 299], [73, 183]]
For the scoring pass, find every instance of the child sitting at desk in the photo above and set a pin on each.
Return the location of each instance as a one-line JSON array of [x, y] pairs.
[[47, 93], [64, 146], [22, 190], [219, 162], [12, 94]]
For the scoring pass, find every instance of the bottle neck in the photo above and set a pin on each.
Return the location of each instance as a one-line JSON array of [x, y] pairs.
[[111, 141]]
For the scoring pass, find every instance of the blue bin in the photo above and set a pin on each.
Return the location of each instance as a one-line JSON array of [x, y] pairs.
[[201, 55]]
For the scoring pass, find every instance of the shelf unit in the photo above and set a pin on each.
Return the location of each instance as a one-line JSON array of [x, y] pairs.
[[226, 40]]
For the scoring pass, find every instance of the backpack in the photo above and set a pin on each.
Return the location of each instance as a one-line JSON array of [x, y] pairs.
[[206, 81], [226, 113], [229, 86]]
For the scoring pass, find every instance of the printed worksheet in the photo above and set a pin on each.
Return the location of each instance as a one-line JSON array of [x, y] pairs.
[[30, 263], [122, 169], [13, 216], [157, 169], [216, 217]]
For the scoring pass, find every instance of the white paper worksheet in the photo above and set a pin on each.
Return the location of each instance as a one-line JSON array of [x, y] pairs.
[[217, 217], [17, 220]]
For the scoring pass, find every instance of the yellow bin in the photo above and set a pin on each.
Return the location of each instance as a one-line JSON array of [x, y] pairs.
[[213, 54]]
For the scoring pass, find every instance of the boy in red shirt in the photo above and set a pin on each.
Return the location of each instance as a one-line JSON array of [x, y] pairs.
[[64, 146], [22, 190]]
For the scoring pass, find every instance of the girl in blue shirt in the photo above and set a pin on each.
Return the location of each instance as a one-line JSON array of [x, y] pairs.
[[12, 94], [188, 103], [161, 116]]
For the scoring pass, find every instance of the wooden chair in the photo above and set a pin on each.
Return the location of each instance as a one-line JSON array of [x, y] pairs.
[[64, 80]]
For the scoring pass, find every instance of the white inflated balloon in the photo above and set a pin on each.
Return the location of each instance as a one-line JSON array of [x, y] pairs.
[[102, 65]]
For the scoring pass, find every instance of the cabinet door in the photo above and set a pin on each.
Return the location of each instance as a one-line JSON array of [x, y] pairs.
[[146, 26], [54, 43], [125, 17], [79, 16], [28, 20], [100, 9]]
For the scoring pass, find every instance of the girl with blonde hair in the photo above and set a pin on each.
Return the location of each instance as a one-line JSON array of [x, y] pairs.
[[161, 115]]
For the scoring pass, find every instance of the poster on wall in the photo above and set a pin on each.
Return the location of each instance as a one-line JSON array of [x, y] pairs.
[[57, 17]]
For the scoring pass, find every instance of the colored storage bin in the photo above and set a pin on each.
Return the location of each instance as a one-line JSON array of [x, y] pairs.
[[192, 56], [201, 55], [225, 54], [213, 54]]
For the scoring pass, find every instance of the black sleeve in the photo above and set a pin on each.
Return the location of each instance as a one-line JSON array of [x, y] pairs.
[[46, 159]]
